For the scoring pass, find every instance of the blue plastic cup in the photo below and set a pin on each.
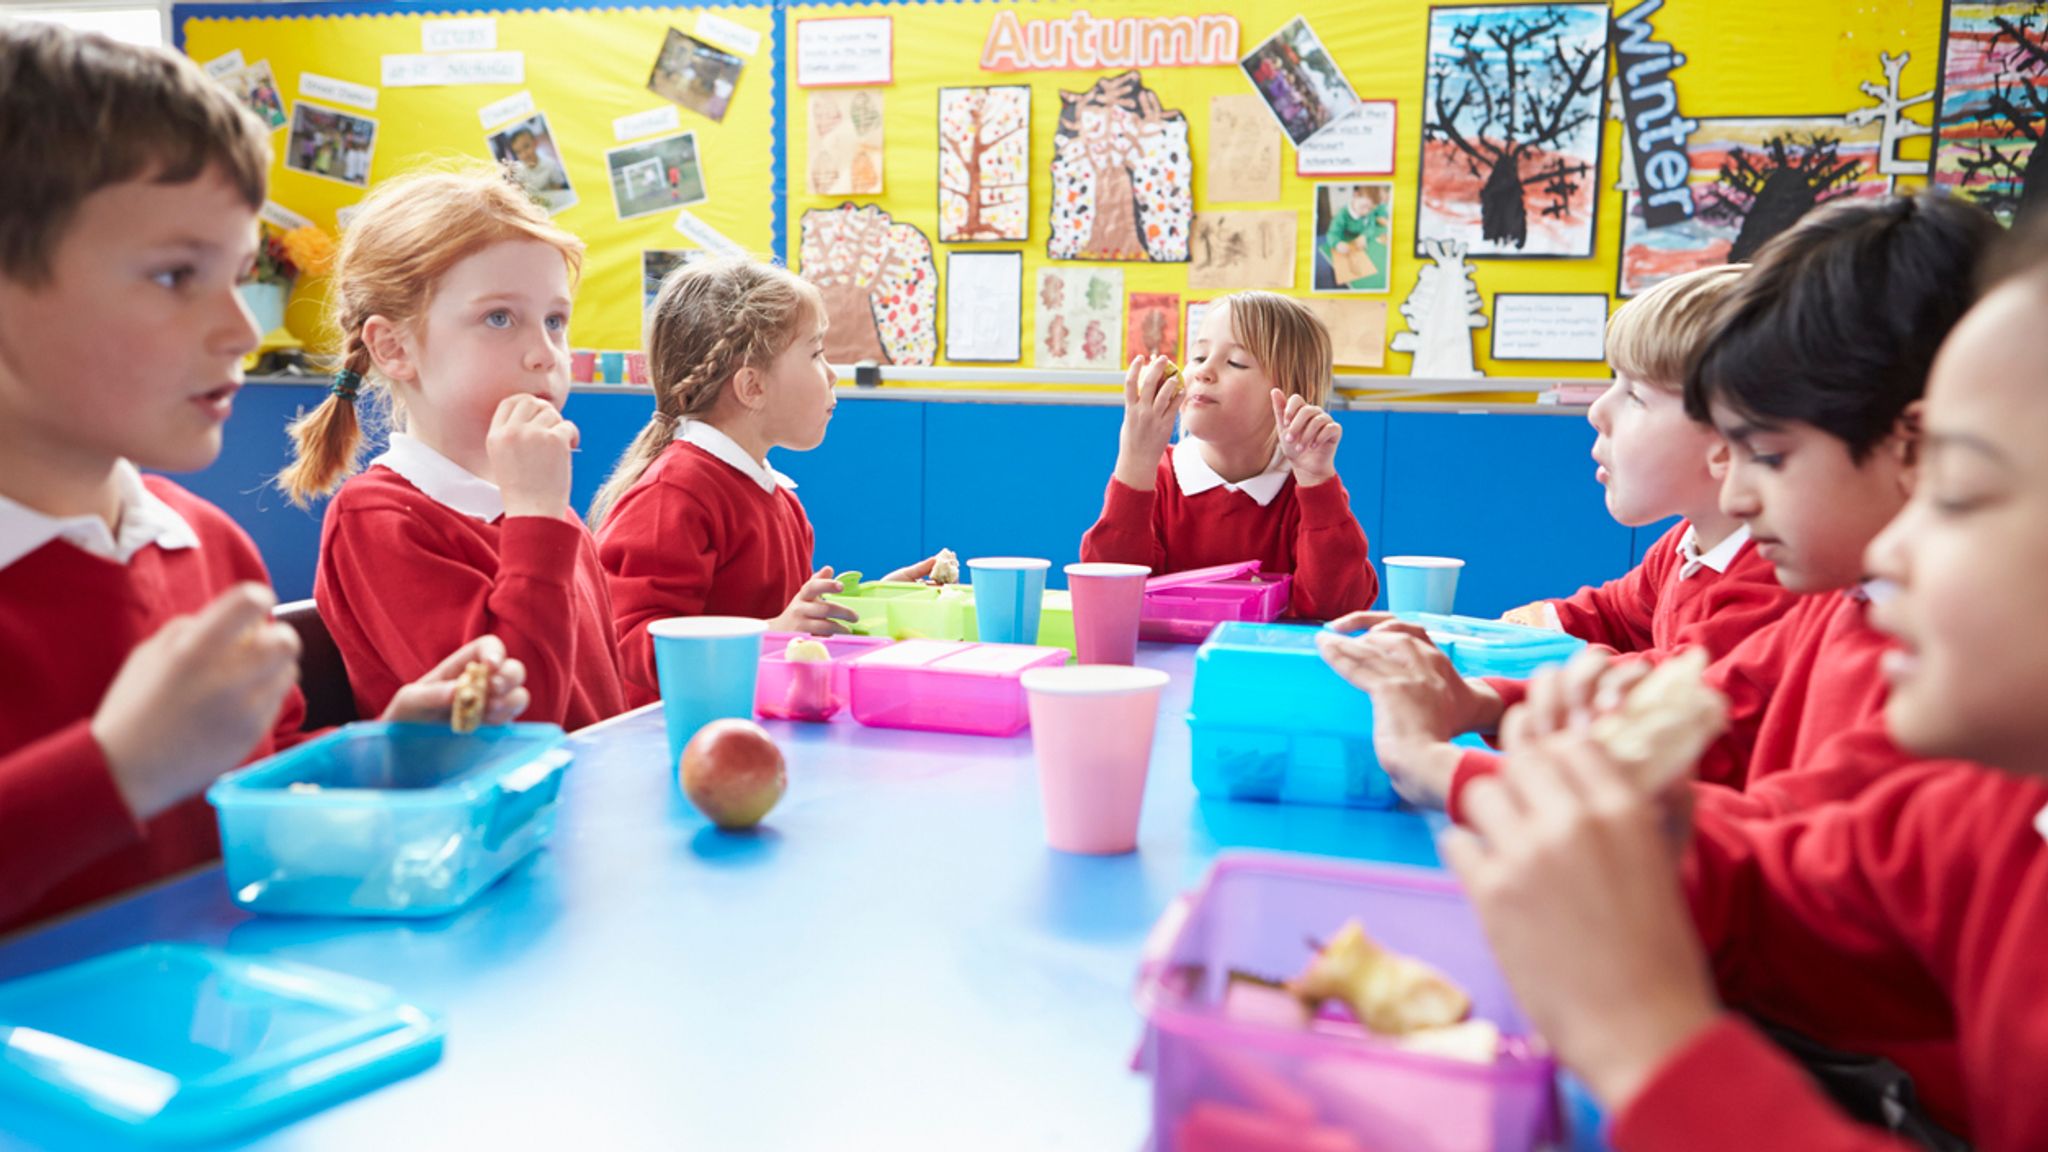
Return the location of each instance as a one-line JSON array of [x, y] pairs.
[[706, 666], [1008, 592], [1421, 583], [612, 367]]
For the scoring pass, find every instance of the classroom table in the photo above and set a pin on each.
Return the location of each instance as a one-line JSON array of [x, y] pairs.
[[896, 960]]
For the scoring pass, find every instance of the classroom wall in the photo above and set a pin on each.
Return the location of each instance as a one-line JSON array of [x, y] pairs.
[[896, 480]]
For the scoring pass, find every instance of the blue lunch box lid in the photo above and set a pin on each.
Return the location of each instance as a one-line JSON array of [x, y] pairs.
[[398, 764]]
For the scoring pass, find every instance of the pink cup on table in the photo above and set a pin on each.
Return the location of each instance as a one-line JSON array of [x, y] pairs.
[[1091, 727], [1108, 599]]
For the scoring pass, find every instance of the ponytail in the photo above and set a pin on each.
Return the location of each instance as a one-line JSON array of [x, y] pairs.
[[326, 440]]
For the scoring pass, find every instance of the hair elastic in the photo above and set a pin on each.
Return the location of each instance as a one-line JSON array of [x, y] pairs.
[[346, 384]]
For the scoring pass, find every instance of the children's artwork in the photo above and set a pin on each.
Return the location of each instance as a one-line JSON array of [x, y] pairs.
[[1298, 81], [1354, 234], [657, 263], [985, 163], [1441, 313], [1122, 177], [258, 89], [1550, 326], [1358, 330], [1080, 314], [985, 306], [846, 143], [527, 151], [1511, 129], [1752, 178], [1197, 311], [1994, 105], [330, 144], [1238, 250], [1890, 112], [655, 174], [1153, 325], [1244, 151], [695, 74], [881, 288], [1653, 126]]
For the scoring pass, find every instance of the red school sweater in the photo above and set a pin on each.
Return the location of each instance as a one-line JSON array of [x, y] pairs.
[[1805, 713], [1910, 923], [404, 580], [697, 537], [1309, 532], [68, 620], [1655, 607]]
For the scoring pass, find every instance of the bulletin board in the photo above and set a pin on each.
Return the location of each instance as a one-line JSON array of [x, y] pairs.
[[585, 68]]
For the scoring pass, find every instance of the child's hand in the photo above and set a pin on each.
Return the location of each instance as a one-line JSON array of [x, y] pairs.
[[1308, 438], [1536, 615], [1419, 703], [809, 612], [918, 571], [530, 446], [1576, 882], [191, 701], [430, 699], [1151, 405]]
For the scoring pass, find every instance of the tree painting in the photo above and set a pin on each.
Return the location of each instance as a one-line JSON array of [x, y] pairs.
[[1122, 176], [1767, 191], [880, 286], [1511, 128], [1994, 105], [984, 163]]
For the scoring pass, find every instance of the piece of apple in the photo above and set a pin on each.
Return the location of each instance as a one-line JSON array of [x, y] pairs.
[[1388, 993]]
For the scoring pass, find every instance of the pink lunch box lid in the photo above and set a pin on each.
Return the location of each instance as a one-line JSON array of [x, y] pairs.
[[1214, 575]]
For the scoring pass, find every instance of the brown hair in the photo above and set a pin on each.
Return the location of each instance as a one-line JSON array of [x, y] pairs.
[[710, 319], [1656, 336], [80, 112], [1288, 340], [410, 232]]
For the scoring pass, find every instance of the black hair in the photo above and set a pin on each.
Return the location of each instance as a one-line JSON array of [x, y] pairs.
[[1839, 319]]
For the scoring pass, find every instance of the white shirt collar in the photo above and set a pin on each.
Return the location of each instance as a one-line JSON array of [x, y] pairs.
[[145, 520], [2041, 823], [725, 448], [442, 480], [1195, 477], [1691, 559]]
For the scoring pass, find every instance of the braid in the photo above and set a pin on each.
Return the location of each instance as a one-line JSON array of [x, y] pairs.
[[327, 439]]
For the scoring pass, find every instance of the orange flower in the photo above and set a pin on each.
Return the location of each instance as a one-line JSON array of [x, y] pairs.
[[310, 249]]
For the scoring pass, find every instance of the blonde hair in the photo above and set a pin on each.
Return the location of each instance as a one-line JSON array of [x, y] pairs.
[[1656, 336], [1287, 339], [410, 232], [710, 319]]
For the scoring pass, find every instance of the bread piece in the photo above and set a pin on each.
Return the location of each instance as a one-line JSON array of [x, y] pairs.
[[472, 692], [1665, 721], [1389, 993], [945, 567]]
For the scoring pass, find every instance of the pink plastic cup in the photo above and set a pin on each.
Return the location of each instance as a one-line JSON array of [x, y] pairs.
[[1108, 599], [1091, 726]]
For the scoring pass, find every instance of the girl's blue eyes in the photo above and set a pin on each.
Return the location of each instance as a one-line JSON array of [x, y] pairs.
[[558, 322], [503, 319]]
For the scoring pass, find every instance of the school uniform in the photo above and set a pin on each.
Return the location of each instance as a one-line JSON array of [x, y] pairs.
[[1680, 596], [1193, 518], [75, 600], [417, 558], [706, 531]]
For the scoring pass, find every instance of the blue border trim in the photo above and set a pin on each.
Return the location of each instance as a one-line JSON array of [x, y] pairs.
[[778, 137]]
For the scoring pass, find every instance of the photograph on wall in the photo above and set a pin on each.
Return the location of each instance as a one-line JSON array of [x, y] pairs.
[[526, 149], [1299, 82], [1239, 250], [1994, 105], [657, 263], [257, 88], [845, 152], [330, 144], [985, 307], [1079, 318], [1122, 177], [880, 285], [1752, 178], [1512, 104], [655, 174], [1354, 237], [1152, 325], [696, 75], [985, 163]]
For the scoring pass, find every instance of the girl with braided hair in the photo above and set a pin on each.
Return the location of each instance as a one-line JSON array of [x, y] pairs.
[[452, 297], [693, 521]]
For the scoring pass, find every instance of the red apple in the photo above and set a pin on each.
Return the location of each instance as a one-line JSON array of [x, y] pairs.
[[733, 772]]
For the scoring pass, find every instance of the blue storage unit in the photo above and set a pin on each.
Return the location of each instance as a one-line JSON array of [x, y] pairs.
[[172, 1043], [379, 819], [864, 488], [1016, 479], [254, 447]]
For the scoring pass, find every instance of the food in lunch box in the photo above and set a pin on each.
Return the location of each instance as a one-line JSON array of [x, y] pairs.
[[945, 567], [809, 696], [1387, 992], [1665, 721], [804, 650], [472, 692]]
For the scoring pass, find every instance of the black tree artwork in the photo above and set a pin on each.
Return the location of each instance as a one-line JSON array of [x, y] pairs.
[[1999, 176], [1515, 89], [1767, 192]]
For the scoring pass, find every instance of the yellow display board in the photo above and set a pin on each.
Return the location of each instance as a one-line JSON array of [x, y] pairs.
[[584, 69], [1743, 58]]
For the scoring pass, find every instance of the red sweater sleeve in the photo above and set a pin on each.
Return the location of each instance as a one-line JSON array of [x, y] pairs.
[[1620, 613], [59, 811], [1332, 573], [660, 551], [529, 603], [1128, 531]]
